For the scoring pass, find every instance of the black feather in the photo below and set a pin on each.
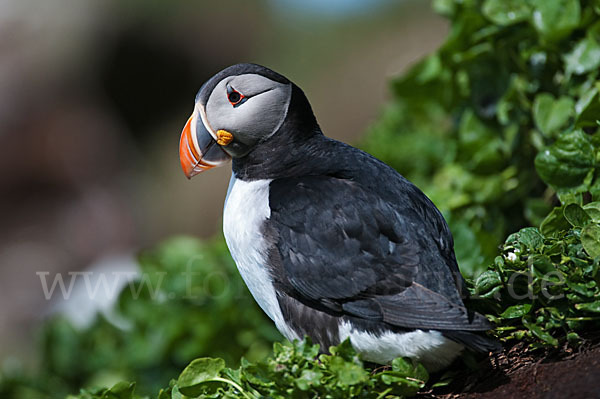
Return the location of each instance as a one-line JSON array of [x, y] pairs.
[[473, 341], [355, 238]]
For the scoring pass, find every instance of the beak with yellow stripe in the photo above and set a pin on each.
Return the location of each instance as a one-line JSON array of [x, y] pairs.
[[236, 111], [199, 148]]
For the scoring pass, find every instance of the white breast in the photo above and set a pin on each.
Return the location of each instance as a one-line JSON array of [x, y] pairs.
[[246, 208]]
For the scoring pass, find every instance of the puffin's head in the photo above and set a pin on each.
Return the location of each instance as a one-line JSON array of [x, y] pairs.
[[235, 110]]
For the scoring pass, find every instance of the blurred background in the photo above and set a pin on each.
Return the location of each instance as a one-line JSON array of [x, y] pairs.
[[93, 97]]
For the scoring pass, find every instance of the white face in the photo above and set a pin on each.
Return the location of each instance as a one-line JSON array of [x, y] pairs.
[[250, 106], [232, 115]]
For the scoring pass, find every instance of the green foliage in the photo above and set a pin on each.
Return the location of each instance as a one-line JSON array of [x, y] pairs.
[[189, 302], [508, 109], [514, 86], [298, 371], [121, 390], [545, 288], [294, 370]]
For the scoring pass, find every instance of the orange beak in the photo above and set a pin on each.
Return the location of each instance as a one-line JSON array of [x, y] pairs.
[[198, 150]]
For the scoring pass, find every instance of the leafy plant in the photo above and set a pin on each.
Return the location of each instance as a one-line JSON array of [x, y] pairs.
[[298, 371], [545, 289], [514, 86], [504, 117], [121, 390], [189, 301], [293, 371]]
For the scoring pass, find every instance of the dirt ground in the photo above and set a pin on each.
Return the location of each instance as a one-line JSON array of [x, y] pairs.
[[521, 373]]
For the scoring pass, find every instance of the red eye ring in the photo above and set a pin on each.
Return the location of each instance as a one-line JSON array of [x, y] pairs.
[[235, 97]]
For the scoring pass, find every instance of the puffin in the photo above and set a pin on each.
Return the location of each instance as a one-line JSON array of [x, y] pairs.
[[332, 243]]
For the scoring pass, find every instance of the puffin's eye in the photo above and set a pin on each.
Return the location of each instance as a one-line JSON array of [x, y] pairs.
[[235, 97]]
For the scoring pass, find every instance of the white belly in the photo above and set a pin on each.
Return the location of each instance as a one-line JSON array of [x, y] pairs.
[[428, 347], [246, 208]]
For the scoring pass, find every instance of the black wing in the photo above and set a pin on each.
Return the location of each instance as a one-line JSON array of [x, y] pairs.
[[342, 248]]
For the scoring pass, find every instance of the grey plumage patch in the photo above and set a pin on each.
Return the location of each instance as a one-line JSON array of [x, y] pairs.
[[257, 118]]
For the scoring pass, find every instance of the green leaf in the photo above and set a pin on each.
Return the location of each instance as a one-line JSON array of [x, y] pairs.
[[573, 338], [344, 350], [197, 372], [568, 161], [554, 223], [587, 108], [402, 365], [409, 368], [406, 377], [550, 114], [506, 12], [589, 307], [590, 239], [556, 18], [444, 7], [581, 289], [530, 237], [486, 282], [309, 379], [175, 394], [516, 311], [584, 57], [401, 385], [595, 189], [576, 215], [542, 265], [479, 144], [430, 69], [593, 210], [572, 195], [121, 390], [539, 332], [257, 374], [347, 373]]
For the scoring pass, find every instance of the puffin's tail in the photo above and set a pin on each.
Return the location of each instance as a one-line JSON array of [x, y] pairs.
[[474, 341]]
